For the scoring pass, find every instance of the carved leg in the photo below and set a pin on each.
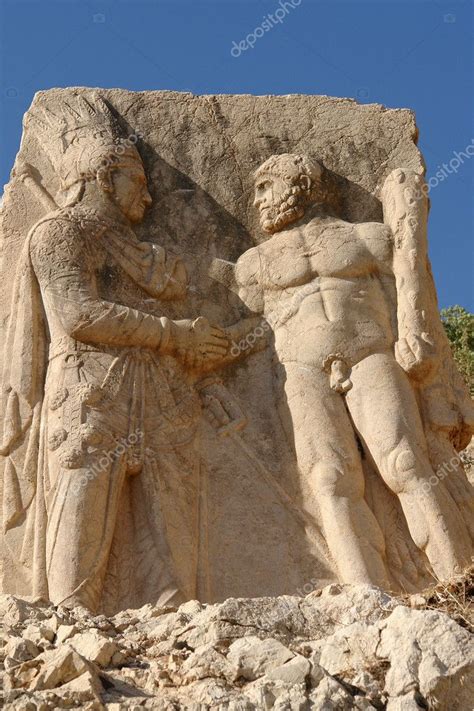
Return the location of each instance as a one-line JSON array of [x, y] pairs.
[[333, 481], [175, 499], [81, 521], [385, 413]]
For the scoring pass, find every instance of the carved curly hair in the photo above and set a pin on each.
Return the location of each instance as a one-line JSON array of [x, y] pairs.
[[292, 167]]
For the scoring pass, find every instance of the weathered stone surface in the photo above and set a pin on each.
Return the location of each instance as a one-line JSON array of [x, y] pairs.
[[294, 671], [94, 646], [82, 689], [39, 634], [220, 323], [253, 657], [395, 658], [48, 670], [204, 662], [18, 649], [14, 610], [64, 632], [426, 645], [342, 282]]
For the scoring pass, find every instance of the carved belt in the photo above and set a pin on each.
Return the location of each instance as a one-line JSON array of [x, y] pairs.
[[65, 344]]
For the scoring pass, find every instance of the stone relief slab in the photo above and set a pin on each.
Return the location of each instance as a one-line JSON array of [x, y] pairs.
[[224, 372]]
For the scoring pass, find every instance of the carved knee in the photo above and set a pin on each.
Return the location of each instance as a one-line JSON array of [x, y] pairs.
[[401, 468], [338, 480]]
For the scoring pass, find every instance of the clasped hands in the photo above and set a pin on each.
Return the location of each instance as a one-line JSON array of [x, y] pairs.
[[198, 343]]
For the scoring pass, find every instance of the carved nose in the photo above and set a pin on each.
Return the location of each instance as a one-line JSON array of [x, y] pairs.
[[147, 200]]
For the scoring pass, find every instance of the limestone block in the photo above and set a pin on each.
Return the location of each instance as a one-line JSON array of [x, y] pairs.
[[253, 657], [430, 652], [49, 670], [94, 646], [294, 671], [224, 375]]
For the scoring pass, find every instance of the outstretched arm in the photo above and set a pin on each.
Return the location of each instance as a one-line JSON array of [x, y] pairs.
[[59, 254]]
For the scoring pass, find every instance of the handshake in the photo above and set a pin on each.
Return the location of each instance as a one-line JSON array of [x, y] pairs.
[[197, 343], [201, 346]]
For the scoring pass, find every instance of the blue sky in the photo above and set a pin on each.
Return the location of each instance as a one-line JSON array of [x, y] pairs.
[[401, 53]]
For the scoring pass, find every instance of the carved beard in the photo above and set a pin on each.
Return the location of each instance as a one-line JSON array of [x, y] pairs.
[[289, 208]]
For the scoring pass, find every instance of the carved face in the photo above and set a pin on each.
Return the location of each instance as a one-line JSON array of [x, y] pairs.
[[278, 202], [131, 191], [269, 190]]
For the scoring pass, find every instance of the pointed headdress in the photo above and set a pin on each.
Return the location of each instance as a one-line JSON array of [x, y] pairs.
[[81, 137]]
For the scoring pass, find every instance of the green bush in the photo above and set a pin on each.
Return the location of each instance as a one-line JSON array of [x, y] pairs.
[[459, 326]]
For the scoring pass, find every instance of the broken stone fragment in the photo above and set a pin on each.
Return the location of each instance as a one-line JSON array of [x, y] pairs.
[[94, 646], [350, 647], [39, 634], [407, 702], [273, 694], [49, 670], [379, 655], [204, 662], [15, 610], [428, 651], [64, 632], [20, 650], [84, 688], [330, 694], [253, 657], [159, 628], [294, 671]]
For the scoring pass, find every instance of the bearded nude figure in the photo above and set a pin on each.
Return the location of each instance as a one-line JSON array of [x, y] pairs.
[[349, 364]]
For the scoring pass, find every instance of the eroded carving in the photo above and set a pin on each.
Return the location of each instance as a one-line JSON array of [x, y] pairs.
[[103, 391], [133, 471], [354, 359]]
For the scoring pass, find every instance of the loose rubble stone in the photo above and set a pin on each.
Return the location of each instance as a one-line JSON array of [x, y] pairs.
[[367, 652], [253, 657], [64, 632], [94, 646], [294, 671], [49, 669]]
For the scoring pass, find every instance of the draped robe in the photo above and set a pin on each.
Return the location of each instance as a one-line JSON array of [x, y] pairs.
[[101, 480]]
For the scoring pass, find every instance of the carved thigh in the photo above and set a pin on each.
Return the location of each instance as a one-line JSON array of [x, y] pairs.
[[324, 440], [386, 416]]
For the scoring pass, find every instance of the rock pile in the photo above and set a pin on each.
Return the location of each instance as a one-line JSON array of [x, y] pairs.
[[345, 647]]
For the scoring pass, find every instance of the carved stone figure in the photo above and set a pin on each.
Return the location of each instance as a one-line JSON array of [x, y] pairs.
[[363, 358], [103, 391], [129, 472]]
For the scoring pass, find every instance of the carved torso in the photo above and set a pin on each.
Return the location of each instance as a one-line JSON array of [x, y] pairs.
[[321, 289], [105, 376]]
